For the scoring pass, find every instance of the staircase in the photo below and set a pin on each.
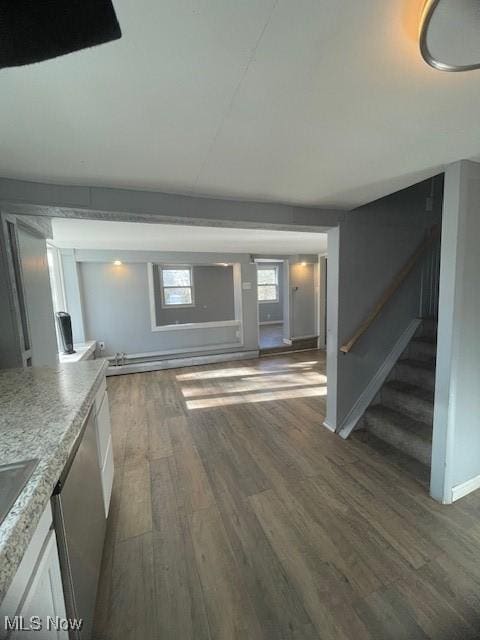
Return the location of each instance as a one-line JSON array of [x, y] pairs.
[[403, 416]]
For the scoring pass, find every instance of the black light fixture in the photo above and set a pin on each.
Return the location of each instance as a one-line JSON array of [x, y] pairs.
[[36, 30], [450, 34]]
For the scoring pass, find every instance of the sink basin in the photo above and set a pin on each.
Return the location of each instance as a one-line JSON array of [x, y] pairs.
[[13, 477]]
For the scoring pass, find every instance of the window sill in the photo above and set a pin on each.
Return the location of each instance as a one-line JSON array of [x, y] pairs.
[[197, 325]]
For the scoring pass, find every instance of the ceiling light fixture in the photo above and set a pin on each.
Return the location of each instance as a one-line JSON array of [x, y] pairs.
[[117, 263], [450, 34]]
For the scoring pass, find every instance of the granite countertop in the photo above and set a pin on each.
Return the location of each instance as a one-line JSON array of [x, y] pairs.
[[41, 414]]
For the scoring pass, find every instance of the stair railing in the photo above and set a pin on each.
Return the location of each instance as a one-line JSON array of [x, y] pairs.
[[430, 236]]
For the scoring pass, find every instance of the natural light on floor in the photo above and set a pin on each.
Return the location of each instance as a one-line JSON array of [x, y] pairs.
[[234, 372], [239, 385], [268, 396], [281, 381]]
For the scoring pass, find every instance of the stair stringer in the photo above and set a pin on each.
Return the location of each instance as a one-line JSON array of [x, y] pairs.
[[374, 386]]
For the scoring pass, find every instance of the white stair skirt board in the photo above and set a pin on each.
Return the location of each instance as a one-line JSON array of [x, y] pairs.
[[376, 383], [465, 488], [177, 363]]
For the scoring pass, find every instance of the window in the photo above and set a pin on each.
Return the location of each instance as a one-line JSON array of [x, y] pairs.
[[57, 287], [267, 284], [177, 287]]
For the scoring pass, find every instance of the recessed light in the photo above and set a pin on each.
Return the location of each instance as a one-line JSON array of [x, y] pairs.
[[450, 34], [117, 263], [304, 264]]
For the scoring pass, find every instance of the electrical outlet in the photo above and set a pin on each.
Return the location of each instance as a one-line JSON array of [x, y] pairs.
[[101, 345]]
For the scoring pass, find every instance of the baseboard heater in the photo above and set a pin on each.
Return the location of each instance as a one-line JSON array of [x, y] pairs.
[[121, 363]]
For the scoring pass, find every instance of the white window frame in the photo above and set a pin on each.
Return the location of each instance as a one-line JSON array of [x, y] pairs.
[[276, 285], [178, 267], [238, 322], [57, 288]]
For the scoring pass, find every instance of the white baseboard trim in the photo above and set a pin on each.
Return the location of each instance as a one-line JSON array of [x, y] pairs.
[[375, 384], [465, 488], [270, 322], [177, 363], [282, 353], [329, 426]]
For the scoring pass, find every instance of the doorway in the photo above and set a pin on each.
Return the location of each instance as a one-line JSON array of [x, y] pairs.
[[270, 302]]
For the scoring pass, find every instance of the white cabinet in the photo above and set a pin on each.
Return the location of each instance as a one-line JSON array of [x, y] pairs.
[[44, 605], [34, 603], [104, 444]]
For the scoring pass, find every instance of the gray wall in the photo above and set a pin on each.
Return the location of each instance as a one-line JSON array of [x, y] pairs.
[[302, 300], [116, 305], [213, 297], [374, 242], [272, 311], [456, 438]]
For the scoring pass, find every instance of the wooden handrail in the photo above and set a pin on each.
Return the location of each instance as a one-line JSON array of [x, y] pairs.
[[430, 236]]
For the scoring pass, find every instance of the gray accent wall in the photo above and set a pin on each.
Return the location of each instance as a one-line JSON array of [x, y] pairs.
[[302, 300], [456, 435], [374, 242], [213, 294], [272, 311], [116, 306]]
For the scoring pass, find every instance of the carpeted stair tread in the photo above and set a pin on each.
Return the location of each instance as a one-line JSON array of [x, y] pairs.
[[412, 389], [417, 364], [401, 421], [425, 339], [401, 431], [424, 349], [420, 373], [410, 399]]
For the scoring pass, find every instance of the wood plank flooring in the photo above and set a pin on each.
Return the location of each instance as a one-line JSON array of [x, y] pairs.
[[236, 514]]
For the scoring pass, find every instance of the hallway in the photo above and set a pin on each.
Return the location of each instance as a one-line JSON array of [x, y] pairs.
[[270, 335], [236, 514]]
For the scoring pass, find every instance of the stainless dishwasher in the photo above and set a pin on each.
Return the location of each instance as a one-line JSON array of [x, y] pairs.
[[79, 521]]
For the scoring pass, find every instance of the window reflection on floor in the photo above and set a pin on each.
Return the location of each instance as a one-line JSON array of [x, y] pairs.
[[238, 385]]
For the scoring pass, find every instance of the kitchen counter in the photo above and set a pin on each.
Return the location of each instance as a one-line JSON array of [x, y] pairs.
[[41, 414]]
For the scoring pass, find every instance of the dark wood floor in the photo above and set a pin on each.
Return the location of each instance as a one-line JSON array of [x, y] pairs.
[[235, 514]]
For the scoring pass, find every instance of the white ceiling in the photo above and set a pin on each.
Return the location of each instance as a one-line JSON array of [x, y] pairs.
[[312, 102], [101, 234]]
